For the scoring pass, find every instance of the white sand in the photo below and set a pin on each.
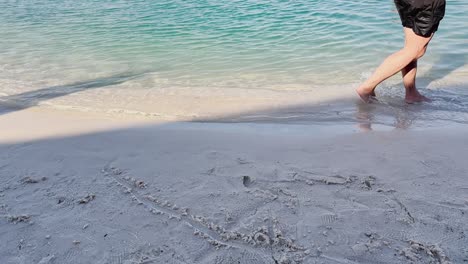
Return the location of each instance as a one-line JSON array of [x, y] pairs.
[[78, 189]]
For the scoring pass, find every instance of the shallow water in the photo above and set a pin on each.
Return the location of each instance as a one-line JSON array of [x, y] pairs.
[[104, 55]]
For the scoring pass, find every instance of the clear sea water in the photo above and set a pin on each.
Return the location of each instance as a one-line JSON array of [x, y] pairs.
[[111, 54]]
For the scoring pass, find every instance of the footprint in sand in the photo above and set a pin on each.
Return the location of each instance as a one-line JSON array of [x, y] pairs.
[[328, 219], [247, 181], [88, 198]]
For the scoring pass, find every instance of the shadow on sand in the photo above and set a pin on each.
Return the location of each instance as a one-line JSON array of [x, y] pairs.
[[168, 192], [447, 64], [32, 98]]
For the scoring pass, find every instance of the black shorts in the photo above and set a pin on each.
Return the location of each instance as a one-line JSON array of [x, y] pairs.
[[423, 16]]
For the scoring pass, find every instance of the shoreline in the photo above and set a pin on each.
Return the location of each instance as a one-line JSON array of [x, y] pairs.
[[23, 125], [114, 96]]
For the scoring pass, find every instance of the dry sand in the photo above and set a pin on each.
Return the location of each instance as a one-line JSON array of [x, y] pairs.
[[93, 190]]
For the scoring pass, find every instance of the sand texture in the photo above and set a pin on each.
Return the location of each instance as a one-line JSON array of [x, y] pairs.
[[234, 193]]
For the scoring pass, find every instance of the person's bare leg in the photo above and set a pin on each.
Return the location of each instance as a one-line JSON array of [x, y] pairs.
[[409, 81], [415, 47]]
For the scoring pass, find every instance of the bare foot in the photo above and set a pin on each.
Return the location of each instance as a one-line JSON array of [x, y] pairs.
[[417, 98], [365, 93]]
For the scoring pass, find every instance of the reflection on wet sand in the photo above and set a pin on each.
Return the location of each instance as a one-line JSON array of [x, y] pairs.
[[366, 114]]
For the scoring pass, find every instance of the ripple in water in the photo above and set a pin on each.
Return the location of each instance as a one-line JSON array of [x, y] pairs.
[[201, 46]]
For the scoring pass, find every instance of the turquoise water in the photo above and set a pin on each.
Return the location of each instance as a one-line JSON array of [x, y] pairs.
[[198, 45]]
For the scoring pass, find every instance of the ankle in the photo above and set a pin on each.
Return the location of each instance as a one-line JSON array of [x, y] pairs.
[[364, 88], [412, 92]]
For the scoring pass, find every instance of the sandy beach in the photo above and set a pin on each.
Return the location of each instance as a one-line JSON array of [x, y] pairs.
[[230, 132], [91, 189]]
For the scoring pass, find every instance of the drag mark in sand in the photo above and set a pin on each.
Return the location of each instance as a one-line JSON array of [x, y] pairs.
[[410, 218], [263, 242], [278, 190], [29, 179], [24, 218], [313, 178]]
